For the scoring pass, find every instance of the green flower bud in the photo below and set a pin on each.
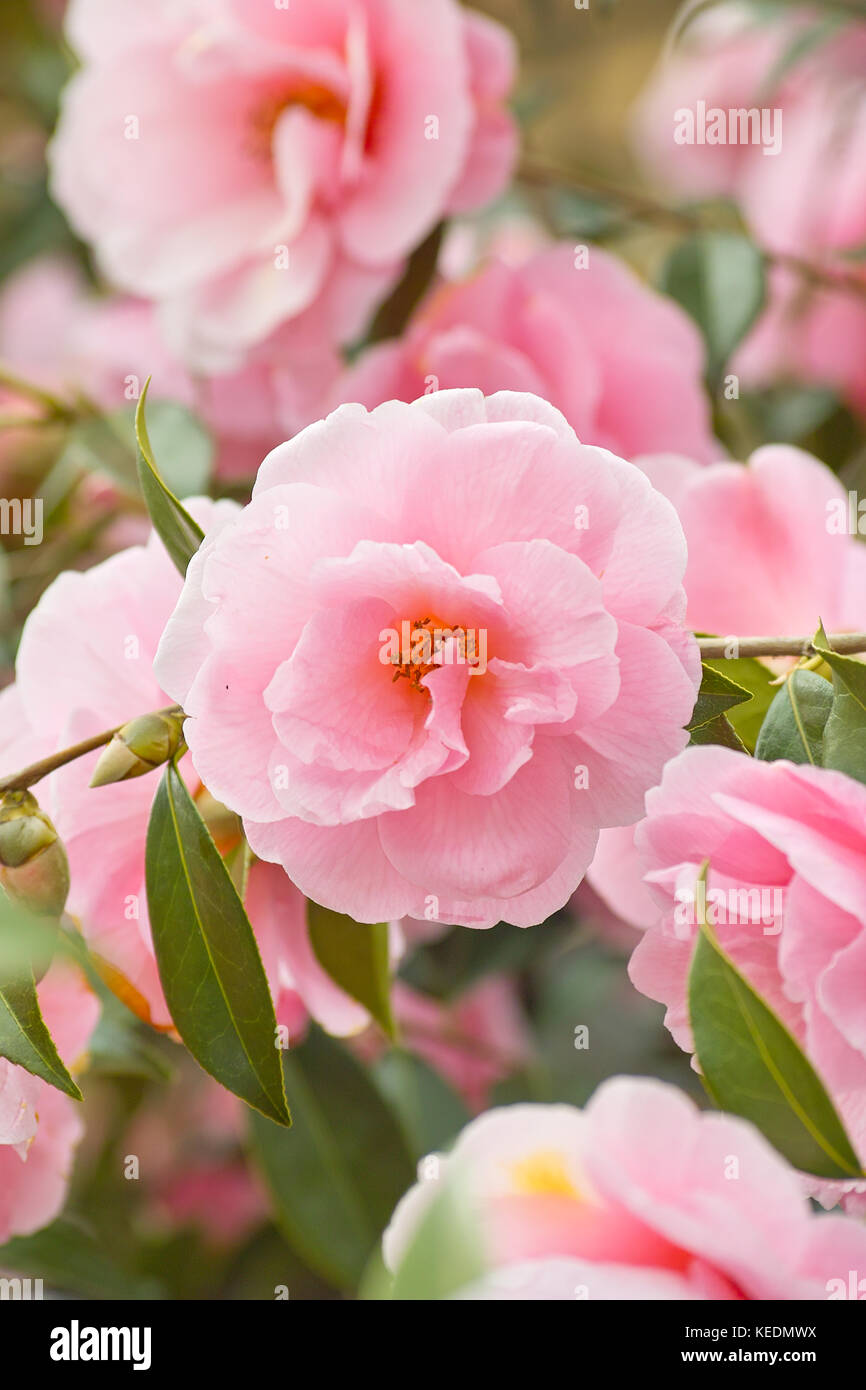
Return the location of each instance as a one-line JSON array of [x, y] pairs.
[[34, 870], [140, 746], [24, 829]]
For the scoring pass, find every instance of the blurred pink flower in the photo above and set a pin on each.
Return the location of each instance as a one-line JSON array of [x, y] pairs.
[[631, 1198], [39, 1126], [788, 843], [622, 363], [473, 1041], [806, 199], [57, 334], [85, 664], [344, 130], [480, 793], [784, 520]]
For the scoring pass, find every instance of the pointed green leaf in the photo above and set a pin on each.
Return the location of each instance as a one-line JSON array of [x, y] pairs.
[[337, 1175], [794, 726], [208, 959], [757, 679], [753, 1067], [179, 533], [718, 694], [355, 955], [721, 731], [845, 730]]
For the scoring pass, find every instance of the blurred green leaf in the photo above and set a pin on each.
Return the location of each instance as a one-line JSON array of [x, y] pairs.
[[355, 955], [719, 279], [845, 730], [753, 1067], [794, 726], [431, 1113], [180, 534], [24, 1038], [208, 959], [337, 1175], [178, 438], [70, 1259]]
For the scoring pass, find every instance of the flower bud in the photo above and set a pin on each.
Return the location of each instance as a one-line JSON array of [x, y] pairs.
[[24, 829], [140, 746], [34, 870]]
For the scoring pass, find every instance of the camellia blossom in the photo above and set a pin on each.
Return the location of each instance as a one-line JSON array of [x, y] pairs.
[[392, 777], [252, 164], [56, 334], [797, 168], [623, 364], [786, 846], [85, 665], [40, 1127], [789, 521], [632, 1198]]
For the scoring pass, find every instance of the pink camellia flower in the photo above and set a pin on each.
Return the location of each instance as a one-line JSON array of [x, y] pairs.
[[439, 650], [84, 665], [787, 520], [787, 852], [632, 1198], [622, 363], [248, 164], [39, 1126]]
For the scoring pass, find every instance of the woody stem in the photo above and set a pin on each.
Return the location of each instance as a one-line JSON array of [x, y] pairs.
[[28, 776], [717, 648]]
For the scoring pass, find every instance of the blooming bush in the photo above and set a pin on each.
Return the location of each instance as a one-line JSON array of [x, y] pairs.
[[433, 636]]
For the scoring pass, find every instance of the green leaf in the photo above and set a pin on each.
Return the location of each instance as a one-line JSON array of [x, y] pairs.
[[845, 730], [71, 1260], [337, 1175], [179, 533], [431, 1113], [794, 727], [719, 731], [719, 278], [754, 1068], [183, 446], [355, 955], [24, 1038], [209, 963], [753, 676], [108, 443], [718, 694], [445, 1254]]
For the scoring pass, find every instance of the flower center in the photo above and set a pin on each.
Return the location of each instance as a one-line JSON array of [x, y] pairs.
[[543, 1174], [318, 100], [423, 645]]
